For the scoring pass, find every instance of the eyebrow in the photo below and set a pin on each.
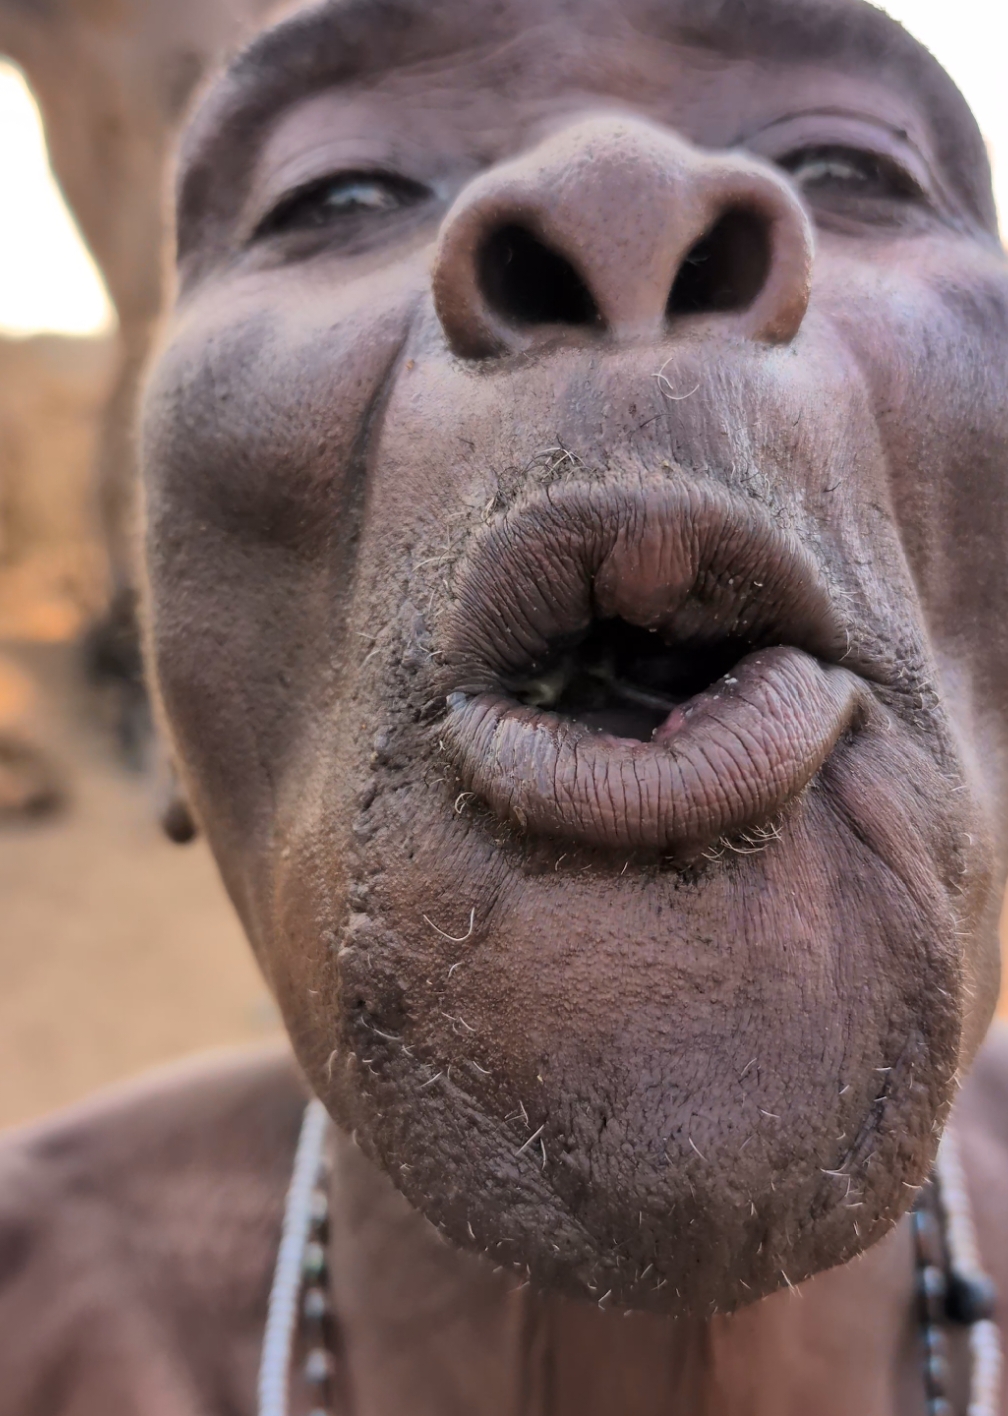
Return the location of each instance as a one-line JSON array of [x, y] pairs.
[[333, 41]]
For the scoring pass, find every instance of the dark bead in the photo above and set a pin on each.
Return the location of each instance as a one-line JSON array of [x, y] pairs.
[[938, 1371], [928, 1236], [315, 1305], [971, 1298], [318, 1366], [935, 1341], [314, 1262], [921, 1216], [931, 1289]]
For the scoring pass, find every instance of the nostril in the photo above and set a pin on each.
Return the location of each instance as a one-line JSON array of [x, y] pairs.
[[526, 282], [726, 269]]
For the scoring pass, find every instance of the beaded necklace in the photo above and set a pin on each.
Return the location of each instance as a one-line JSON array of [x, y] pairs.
[[301, 1277], [951, 1288]]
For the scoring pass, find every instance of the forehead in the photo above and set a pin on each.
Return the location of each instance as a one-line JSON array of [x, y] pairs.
[[338, 39], [347, 37], [455, 51]]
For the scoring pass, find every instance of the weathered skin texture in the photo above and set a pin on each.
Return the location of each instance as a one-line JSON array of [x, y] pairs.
[[382, 483], [574, 538], [138, 1235]]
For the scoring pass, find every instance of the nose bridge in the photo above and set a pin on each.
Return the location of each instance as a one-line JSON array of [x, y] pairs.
[[615, 208]]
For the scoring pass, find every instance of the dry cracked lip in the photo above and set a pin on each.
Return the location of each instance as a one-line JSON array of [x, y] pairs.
[[642, 668]]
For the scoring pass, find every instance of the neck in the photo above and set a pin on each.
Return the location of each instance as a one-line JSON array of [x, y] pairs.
[[428, 1330]]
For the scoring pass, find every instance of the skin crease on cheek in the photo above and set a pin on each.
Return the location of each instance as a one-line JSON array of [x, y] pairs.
[[561, 623]]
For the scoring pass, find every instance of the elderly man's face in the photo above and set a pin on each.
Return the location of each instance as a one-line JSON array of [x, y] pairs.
[[575, 538]]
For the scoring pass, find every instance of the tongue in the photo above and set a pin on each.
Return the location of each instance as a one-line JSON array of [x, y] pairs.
[[673, 724]]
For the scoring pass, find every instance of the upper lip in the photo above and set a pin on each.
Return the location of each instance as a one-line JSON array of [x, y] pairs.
[[693, 563]]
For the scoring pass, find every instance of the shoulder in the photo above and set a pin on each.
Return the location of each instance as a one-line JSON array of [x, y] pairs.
[[137, 1238]]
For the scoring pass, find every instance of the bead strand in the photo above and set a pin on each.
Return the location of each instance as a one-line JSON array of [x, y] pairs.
[[972, 1295], [318, 1366], [951, 1286], [299, 1225], [932, 1294]]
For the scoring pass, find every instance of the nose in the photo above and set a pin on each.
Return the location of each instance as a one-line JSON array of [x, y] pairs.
[[618, 228]]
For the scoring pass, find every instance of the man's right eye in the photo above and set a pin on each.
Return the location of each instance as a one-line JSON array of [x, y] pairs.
[[343, 197]]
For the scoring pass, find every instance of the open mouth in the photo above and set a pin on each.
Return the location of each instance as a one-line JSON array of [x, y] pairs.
[[645, 668], [627, 681]]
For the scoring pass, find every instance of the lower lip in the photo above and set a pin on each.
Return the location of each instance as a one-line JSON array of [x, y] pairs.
[[726, 760]]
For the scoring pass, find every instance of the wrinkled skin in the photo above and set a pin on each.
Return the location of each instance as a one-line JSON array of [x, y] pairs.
[[674, 1012]]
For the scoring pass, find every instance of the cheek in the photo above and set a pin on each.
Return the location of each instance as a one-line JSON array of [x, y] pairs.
[[931, 336], [934, 350], [937, 364], [255, 451]]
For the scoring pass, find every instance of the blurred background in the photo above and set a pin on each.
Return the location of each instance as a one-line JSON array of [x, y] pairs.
[[118, 950]]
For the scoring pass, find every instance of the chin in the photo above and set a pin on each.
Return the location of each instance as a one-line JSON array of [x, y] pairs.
[[658, 1003]]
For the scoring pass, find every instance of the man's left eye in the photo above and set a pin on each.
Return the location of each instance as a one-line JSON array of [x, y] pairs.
[[337, 198], [848, 171]]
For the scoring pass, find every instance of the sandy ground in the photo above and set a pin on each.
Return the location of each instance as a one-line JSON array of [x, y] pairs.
[[117, 949]]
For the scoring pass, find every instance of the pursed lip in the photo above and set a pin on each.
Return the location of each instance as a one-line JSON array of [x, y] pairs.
[[695, 565]]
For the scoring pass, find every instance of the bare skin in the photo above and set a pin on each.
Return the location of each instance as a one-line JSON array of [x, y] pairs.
[[575, 523], [138, 1236]]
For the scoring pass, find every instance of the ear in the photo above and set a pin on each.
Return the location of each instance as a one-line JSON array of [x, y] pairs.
[[173, 811], [176, 820]]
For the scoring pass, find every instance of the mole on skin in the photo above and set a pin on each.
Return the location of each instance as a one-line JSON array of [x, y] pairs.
[[574, 507]]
